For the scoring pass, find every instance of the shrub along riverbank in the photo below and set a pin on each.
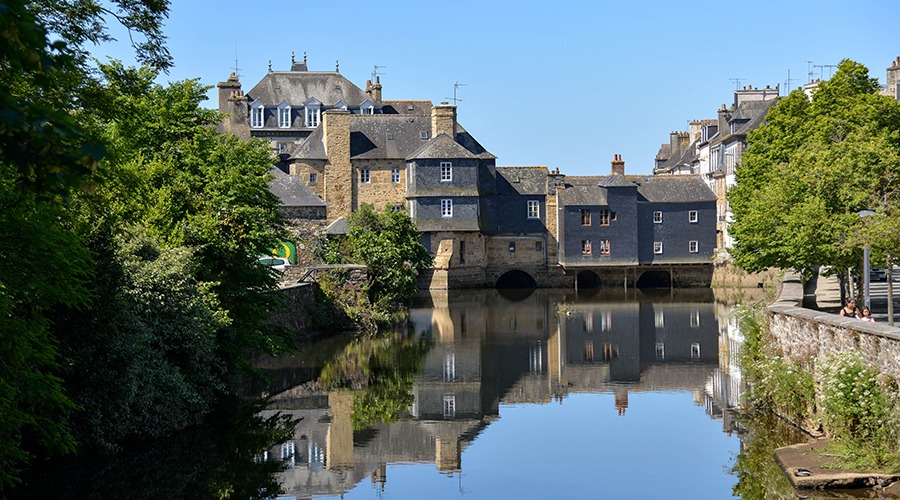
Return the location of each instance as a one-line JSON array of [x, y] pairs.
[[837, 396]]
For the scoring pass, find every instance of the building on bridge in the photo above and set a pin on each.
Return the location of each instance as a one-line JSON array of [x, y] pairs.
[[341, 146]]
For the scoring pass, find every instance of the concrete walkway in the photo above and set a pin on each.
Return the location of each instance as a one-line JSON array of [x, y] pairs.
[[824, 294]]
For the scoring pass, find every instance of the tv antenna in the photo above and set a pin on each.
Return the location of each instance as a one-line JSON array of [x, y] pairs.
[[375, 72], [787, 83], [809, 71], [737, 82], [236, 68], [822, 66], [456, 86]]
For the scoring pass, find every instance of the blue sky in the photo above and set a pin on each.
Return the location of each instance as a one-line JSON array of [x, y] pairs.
[[561, 84]]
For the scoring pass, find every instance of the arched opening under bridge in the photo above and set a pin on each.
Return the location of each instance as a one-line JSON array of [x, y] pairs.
[[587, 279], [655, 279], [515, 279]]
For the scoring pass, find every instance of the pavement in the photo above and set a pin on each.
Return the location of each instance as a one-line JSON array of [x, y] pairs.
[[823, 293], [807, 466]]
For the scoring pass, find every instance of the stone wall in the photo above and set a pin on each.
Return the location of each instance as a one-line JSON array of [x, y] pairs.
[[806, 334], [381, 190], [514, 251], [303, 223], [307, 167], [298, 300], [340, 184]]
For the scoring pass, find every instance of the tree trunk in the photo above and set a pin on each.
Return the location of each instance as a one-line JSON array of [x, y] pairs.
[[890, 279]]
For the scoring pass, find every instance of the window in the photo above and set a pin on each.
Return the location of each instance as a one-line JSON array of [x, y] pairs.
[[657, 217], [313, 178], [284, 115], [534, 209], [256, 114], [588, 350], [585, 217], [585, 247], [695, 350], [446, 208], [423, 134], [446, 171], [397, 208], [364, 175], [612, 216], [657, 247], [693, 246], [692, 216], [660, 317], [695, 318], [535, 357], [512, 246], [604, 247], [538, 246], [604, 217], [450, 367], [312, 117], [462, 252], [606, 321], [368, 110], [449, 405], [660, 351], [395, 175], [610, 351]]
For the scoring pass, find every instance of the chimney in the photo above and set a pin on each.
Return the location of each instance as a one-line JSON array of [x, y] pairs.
[[339, 177], [618, 165], [229, 90], [376, 89], [443, 120]]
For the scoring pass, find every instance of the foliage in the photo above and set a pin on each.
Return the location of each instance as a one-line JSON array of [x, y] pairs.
[[382, 371], [810, 169], [389, 244], [860, 413]]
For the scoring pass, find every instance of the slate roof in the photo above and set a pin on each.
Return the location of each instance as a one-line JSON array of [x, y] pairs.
[[615, 180], [441, 146], [690, 155], [406, 107], [522, 180], [582, 196], [292, 191], [755, 114], [387, 137], [675, 189], [296, 87], [339, 226]]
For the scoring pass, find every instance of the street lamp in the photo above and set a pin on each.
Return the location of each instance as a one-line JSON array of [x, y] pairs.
[[866, 299]]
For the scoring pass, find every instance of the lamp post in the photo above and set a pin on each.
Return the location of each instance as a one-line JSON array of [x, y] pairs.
[[866, 298]]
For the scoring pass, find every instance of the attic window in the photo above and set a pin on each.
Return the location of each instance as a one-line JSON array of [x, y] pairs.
[[284, 115], [256, 114], [423, 135], [409, 107], [313, 115]]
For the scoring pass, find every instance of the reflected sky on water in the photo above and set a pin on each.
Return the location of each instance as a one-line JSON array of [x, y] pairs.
[[610, 395]]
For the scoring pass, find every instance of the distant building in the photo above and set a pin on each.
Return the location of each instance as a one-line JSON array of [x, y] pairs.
[[892, 81]]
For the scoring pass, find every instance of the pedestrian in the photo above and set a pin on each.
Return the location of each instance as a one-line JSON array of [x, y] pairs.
[[849, 310], [866, 315]]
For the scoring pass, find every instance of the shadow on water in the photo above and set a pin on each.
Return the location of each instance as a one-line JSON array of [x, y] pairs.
[[211, 460]]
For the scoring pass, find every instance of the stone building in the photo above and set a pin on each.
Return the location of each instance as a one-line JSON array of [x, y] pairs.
[[340, 147]]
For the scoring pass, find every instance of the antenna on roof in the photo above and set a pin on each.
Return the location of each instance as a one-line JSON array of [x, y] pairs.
[[737, 82], [337, 65], [455, 87], [237, 70], [820, 66], [809, 71], [293, 60], [375, 71], [787, 83]]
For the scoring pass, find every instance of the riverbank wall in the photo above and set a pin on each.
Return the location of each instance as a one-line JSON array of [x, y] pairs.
[[804, 334]]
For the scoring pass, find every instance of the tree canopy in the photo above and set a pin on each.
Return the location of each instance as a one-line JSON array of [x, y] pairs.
[[810, 169]]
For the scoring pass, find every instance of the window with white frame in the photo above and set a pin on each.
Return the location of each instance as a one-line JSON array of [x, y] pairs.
[[395, 175], [534, 209], [449, 405], [284, 115], [657, 247], [446, 171], [695, 350], [695, 318], [446, 208], [604, 247], [256, 114], [365, 175], [585, 247], [313, 115], [692, 216], [657, 217], [693, 246]]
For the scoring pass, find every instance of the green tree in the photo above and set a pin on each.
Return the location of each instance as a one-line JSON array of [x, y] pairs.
[[810, 169]]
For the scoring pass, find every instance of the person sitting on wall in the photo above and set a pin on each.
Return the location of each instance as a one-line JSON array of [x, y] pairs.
[[849, 310], [866, 315]]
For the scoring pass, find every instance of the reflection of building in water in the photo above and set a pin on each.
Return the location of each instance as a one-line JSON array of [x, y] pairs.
[[487, 350]]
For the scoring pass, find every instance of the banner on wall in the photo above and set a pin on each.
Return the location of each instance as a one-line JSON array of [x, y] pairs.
[[286, 250]]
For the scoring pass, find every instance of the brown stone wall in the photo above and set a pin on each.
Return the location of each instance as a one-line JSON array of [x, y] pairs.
[[443, 120], [306, 167], [498, 253], [303, 223], [380, 191], [552, 224], [339, 182]]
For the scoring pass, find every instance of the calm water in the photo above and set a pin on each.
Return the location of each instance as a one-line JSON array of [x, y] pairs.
[[547, 395]]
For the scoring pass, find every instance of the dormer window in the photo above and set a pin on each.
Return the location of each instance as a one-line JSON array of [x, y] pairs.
[[367, 108], [313, 112], [256, 114], [340, 105], [284, 115]]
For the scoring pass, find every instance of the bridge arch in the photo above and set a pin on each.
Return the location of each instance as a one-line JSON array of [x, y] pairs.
[[654, 279], [515, 279], [587, 279]]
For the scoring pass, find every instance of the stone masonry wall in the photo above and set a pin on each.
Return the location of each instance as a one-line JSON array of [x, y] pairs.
[[381, 190], [340, 185], [307, 167], [303, 223], [525, 252], [805, 333]]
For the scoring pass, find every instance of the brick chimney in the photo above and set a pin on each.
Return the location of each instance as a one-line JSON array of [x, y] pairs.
[[233, 106], [376, 89], [443, 120], [229, 90], [618, 165]]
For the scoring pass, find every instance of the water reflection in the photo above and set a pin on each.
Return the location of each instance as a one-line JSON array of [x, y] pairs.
[[466, 354]]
